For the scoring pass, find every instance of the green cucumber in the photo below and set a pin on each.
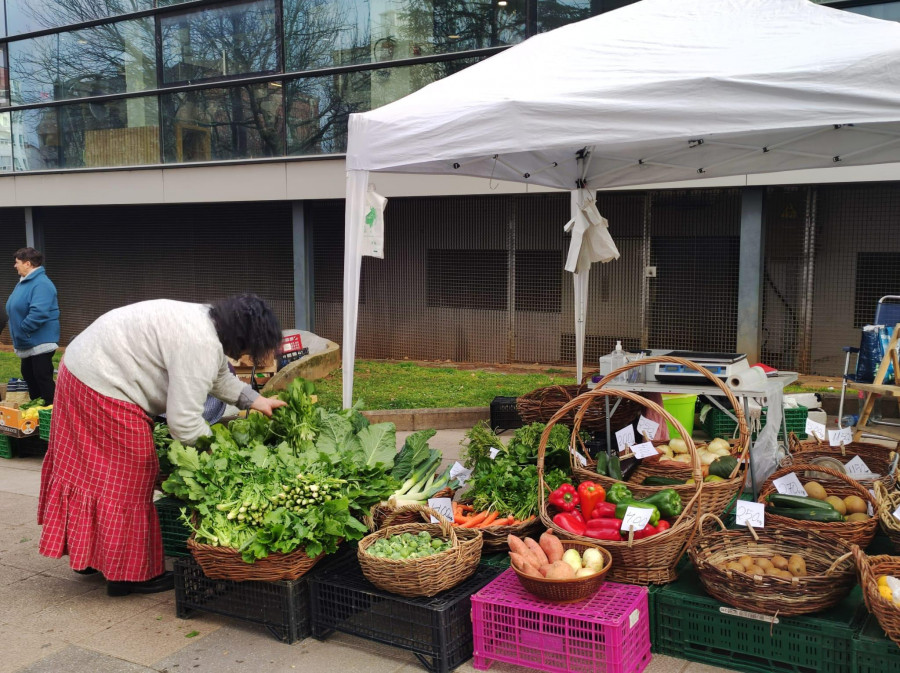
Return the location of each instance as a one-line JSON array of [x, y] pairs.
[[602, 461], [615, 467], [798, 502], [662, 481], [824, 515]]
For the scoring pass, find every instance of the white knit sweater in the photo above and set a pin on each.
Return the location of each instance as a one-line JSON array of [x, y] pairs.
[[163, 356]]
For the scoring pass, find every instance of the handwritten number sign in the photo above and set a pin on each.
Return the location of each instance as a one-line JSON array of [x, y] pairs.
[[753, 513], [840, 437], [444, 506], [636, 518], [647, 427], [816, 430], [644, 450], [460, 473], [790, 485], [625, 438]]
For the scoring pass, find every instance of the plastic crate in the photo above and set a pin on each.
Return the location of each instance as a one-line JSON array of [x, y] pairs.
[[6, 450], [692, 625], [873, 651], [438, 630], [23, 447], [719, 424], [500, 560], [608, 632], [44, 417], [175, 532], [505, 414], [282, 607]]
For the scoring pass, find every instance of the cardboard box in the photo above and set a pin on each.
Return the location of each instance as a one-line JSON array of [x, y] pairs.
[[243, 369], [12, 423]]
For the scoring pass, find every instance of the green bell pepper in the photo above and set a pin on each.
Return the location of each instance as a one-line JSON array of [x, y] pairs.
[[618, 493], [667, 501], [622, 507]]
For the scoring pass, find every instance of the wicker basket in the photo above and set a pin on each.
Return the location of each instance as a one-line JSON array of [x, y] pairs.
[[225, 563], [888, 502], [853, 532], [568, 591], [716, 495], [495, 537], [425, 576], [880, 459], [870, 568], [830, 567], [382, 510], [652, 560], [540, 405]]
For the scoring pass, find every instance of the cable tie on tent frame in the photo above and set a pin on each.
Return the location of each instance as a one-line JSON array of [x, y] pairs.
[[863, 150], [540, 170]]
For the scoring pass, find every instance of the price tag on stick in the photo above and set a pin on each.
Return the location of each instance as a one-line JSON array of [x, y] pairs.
[[578, 456], [443, 506], [637, 518], [493, 452], [897, 514], [461, 474], [753, 513], [625, 438], [840, 436], [857, 465], [647, 427], [644, 450], [790, 485], [816, 430]]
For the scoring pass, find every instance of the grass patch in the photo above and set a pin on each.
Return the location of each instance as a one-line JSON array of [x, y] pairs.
[[11, 365]]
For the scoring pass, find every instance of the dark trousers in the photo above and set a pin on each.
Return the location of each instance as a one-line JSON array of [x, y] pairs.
[[38, 374]]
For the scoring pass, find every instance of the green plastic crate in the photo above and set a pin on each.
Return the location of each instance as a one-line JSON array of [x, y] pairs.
[[497, 560], [44, 416], [719, 424], [6, 450], [873, 651], [174, 531], [690, 625]]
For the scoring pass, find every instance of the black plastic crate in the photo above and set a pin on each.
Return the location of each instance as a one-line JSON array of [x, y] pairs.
[[282, 607], [505, 414], [22, 447], [175, 532], [438, 630]]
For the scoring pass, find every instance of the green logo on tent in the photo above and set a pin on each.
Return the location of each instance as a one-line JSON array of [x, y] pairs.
[[370, 217]]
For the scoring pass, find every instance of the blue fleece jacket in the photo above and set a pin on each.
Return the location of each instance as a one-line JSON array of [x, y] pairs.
[[33, 311]]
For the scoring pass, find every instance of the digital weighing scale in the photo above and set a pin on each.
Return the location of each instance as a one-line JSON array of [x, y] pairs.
[[721, 365]]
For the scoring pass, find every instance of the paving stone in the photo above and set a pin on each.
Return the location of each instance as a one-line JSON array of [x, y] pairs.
[[79, 660]]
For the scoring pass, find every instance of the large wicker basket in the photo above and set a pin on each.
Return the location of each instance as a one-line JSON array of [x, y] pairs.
[[880, 459], [717, 495], [888, 502], [495, 537], [425, 576], [831, 570], [572, 590], [380, 512], [540, 405], [852, 532], [225, 563], [652, 560], [870, 568]]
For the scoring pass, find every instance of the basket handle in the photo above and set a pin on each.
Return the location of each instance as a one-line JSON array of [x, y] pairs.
[[712, 516], [446, 524], [767, 487], [834, 565]]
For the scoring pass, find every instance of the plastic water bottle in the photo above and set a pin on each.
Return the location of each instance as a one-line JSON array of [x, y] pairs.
[[618, 360], [849, 420]]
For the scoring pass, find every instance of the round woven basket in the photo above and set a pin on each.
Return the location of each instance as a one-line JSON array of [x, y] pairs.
[[829, 564], [716, 495], [380, 512], [888, 502], [652, 560], [540, 405], [225, 563], [852, 532], [495, 537], [425, 576], [870, 568], [568, 591], [880, 459]]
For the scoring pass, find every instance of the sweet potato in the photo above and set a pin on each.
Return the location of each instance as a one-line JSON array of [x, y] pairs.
[[552, 546], [544, 569], [560, 570], [521, 564], [536, 550], [519, 547]]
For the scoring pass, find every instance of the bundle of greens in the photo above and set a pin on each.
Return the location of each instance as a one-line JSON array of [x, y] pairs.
[[415, 466]]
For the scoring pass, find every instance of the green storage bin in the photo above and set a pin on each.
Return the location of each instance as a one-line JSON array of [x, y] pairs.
[[5, 447], [692, 626], [873, 651], [682, 408], [719, 424], [174, 531], [44, 417]]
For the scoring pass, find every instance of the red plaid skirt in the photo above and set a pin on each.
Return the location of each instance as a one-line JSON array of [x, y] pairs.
[[96, 502]]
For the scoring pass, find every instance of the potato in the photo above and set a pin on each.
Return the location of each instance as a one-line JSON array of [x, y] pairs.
[[560, 570], [855, 504], [765, 564], [783, 573], [858, 516], [746, 561], [815, 490], [734, 565], [797, 566], [780, 562], [837, 503], [773, 571], [755, 570], [585, 572]]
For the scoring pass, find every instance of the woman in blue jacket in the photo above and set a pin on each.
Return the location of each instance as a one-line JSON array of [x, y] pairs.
[[34, 323]]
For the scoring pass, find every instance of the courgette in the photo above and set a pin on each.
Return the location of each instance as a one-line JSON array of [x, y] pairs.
[[798, 502], [824, 515], [723, 466], [662, 481], [614, 468], [602, 461]]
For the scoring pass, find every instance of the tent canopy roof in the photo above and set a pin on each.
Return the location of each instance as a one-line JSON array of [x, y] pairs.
[[661, 90]]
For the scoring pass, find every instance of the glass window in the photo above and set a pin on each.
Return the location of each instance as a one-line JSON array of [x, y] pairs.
[[318, 107], [556, 13], [321, 33], [239, 39], [240, 122], [113, 133], [35, 139], [4, 78], [112, 58], [25, 16], [6, 153], [887, 10]]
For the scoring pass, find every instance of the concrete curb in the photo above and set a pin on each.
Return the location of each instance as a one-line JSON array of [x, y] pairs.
[[423, 419]]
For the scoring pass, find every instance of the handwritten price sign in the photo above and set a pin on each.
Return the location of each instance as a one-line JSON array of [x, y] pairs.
[[444, 506], [790, 485], [644, 450], [625, 438], [578, 456], [752, 513], [460, 473], [636, 518], [816, 430], [857, 466], [648, 428], [840, 437]]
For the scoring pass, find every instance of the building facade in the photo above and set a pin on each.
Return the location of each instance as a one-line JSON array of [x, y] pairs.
[[191, 150]]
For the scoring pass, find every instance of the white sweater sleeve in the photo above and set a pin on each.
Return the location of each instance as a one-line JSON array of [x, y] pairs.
[[184, 407]]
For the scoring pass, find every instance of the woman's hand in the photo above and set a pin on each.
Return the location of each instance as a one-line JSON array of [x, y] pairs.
[[266, 405]]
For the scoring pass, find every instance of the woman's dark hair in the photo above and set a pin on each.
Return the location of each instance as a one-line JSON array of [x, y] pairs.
[[36, 257], [245, 324]]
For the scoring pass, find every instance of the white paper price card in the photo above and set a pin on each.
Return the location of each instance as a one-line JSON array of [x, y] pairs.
[[869, 510], [815, 429], [840, 436], [637, 518], [578, 456], [857, 465], [644, 450], [625, 438], [647, 427], [443, 506], [790, 485], [461, 474], [493, 452], [752, 513], [897, 514]]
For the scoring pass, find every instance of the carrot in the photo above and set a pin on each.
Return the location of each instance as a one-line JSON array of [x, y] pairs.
[[475, 519], [489, 519], [466, 508], [505, 521]]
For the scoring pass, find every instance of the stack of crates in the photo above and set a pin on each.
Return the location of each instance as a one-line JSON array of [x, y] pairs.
[[175, 532], [505, 414], [720, 424], [873, 651]]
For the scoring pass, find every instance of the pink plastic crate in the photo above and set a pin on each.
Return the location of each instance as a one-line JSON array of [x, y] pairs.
[[608, 633]]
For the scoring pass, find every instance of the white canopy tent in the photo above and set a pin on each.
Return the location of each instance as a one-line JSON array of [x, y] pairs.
[[658, 91]]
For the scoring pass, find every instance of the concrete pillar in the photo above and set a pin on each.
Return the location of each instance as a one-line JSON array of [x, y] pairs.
[[750, 275], [304, 296]]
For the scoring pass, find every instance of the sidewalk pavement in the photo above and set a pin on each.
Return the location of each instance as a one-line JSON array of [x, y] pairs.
[[53, 620]]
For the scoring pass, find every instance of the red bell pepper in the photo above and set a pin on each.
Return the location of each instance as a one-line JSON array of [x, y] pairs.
[[590, 494], [646, 531], [578, 515], [662, 525], [604, 529], [565, 498], [569, 523], [604, 510]]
